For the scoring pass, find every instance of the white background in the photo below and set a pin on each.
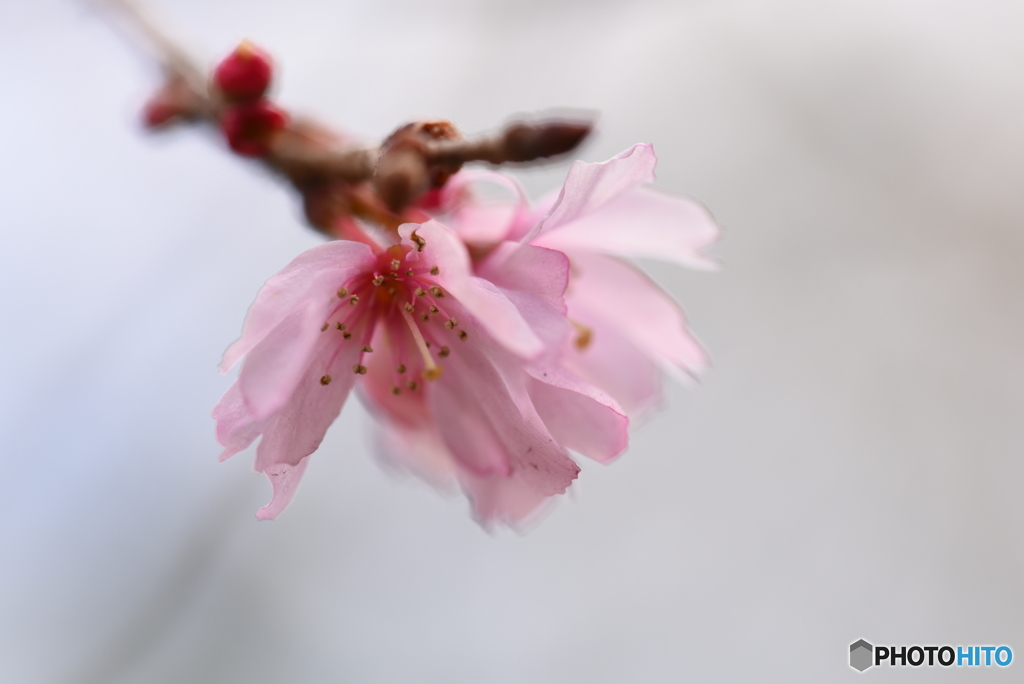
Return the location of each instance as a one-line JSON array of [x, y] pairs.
[[851, 467]]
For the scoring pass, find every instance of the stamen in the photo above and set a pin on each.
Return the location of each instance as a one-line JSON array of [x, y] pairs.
[[395, 263], [437, 292], [444, 352], [425, 318], [359, 369], [409, 307], [325, 326], [432, 370], [413, 385], [342, 292], [420, 292], [434, 270], [367, 348], [325, 380], [451, 323], [339, 325], [396, 390], [584, 335], [346, 334], [392, 291], [434, 309], [353, 300], [420, 242], [409, 272], [378, 281], [463, 335], [401, 368]]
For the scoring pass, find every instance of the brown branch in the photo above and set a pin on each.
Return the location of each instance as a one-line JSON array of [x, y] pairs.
[[337, 179]]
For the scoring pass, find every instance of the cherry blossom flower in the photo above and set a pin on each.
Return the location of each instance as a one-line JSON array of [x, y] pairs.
[[628, 329], [465, 370]]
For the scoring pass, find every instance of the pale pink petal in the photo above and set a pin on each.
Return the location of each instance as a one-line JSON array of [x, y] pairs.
[[525, 268], [236, 426], [615, 364], [297, 429], [640, 222], [588, 187], [485, 428], [625, 298], [298, 285], [481, 220], [482, 299], [502, 500], [284, 478], [418, 451], [580, 416], [273, 368]]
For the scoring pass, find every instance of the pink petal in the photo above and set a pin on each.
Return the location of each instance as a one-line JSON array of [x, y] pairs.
[[588, 187], [482, 299], [613, 363], [579, 415], [502, 500], [541, 272], [284, 479], [640, 222], [418, 451], [298, 285], [478, 220], [626, 299], [487, 422], [297, 429], [236, 426]]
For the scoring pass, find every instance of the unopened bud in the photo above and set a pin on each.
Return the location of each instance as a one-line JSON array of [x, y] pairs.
[[244, 75], [249, 128]]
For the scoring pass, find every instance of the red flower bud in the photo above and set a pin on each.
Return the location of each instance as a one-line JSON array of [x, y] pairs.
[[244, 74], [250, 127]]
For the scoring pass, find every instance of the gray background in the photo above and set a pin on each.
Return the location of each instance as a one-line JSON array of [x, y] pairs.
[[849, 468]]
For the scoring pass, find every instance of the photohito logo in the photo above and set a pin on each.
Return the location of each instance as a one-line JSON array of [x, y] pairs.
[[863, 655]]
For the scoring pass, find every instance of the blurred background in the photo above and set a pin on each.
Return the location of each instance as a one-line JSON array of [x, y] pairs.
[[850, 468]]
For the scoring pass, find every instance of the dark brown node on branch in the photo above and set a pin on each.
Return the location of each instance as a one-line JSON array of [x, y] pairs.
[[404, 169]]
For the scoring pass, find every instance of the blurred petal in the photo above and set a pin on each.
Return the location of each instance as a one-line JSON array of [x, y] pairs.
[[627, 300], [525, 268], [588, 187], [641, 222], [579, 415], [236, 426]]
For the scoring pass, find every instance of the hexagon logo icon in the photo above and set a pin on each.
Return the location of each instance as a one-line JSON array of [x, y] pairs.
[[860, 655]]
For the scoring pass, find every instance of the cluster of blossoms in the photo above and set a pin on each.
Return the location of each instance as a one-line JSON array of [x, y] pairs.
[[490, 338]]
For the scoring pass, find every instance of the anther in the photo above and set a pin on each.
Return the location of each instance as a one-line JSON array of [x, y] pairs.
[[339, 325], [346, 334], [463, 335], [451, 323], [359, 369], [396, 390], [413, 385], [433, 309], [409, 307], [325, 380], [395, 263], [324, 327], [401, 368], [420, 292], [391, 290], [342, 292], [353, 300], [378, 281], [583, 335], [420, 242], [425, 317], [432, 373], [367, 348], [436, 291], [444, 352], [409, 272], [434, 270]]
